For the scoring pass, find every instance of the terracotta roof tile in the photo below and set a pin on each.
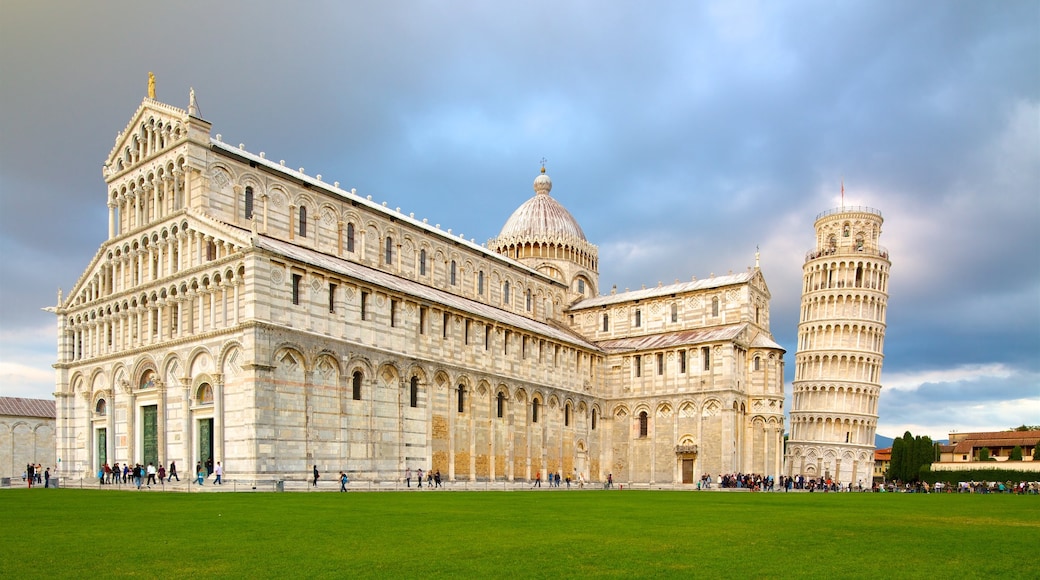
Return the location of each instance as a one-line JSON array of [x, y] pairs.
[[19, 407]]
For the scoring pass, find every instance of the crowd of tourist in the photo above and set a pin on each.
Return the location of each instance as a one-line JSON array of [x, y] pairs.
[[1016, 487], [35, 474]]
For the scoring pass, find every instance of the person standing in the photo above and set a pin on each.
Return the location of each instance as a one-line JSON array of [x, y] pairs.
[[610, 480], [343, 481], [408, 477], [316, 476], [173, 472], [220, 474], [162, 474], [151, 474], [437, 478], [418, 472], [200, 475], [47, 478]]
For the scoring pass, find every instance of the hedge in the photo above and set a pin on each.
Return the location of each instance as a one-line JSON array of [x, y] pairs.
[[977, 475]]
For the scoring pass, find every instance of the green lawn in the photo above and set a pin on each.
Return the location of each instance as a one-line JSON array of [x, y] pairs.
[[623, 534]]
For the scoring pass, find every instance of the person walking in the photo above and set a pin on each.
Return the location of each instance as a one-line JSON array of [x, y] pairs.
[[173, 472], [408, 477], [200, 475], [418, 473], [220, 474], [316, 476], [343, 481], [151, 474], [162, 474]]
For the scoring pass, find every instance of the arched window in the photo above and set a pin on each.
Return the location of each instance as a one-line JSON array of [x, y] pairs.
[[528, 299], [388, 254], [350, 237], [567, 415], [357, 386], [480, 282], [639, 317], [643, 422], [675, 312], [758, 363], [593, 419], [413, 395], [715, 306], [422, 262], [534, 411], [505, 292], [249, 202], [303, 221], [501, 405], [462, 399], [453, 272], [101, 409], [606, 322], [581, 285], [204, 394]]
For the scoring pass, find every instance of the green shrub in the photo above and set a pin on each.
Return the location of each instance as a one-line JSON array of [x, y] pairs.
[[1016, 454]]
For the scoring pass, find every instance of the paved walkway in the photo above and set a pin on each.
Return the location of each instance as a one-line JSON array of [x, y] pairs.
[[332, 485]]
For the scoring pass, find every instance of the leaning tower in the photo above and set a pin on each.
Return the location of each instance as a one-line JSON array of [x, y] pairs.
[[841, 337]]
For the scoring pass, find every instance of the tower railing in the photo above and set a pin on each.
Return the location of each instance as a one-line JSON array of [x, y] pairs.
[[864, 251], [849, 209]]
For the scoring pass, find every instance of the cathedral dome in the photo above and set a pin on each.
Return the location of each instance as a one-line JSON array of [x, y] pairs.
[[542, 217]]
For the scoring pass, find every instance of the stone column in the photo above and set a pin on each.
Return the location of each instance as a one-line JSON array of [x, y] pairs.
[[111, 219], [218, 416], [292, 220]]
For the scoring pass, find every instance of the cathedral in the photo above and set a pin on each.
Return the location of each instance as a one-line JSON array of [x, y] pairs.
[[245, 312]]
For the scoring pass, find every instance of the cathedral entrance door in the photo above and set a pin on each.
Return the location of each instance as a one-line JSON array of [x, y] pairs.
[[205, 440], [102, 447], [687, 470], [150, 434]]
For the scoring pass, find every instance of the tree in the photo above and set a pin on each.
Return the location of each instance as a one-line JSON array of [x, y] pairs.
[[1016, 454], [895, 468], [1026, 428], [984, 454], [1036, 452], [909, 455]]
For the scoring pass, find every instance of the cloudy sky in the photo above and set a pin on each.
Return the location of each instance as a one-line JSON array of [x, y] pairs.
[[681, 135]]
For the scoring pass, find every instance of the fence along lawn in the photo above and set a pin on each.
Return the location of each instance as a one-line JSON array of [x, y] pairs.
[[620, 534]]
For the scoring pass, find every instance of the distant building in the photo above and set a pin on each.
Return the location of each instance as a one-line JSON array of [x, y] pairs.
[[882, 461], [26, 435], [841, 337], [965, 447]]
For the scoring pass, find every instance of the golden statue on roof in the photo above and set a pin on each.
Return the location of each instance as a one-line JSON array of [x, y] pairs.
[[151, 86]]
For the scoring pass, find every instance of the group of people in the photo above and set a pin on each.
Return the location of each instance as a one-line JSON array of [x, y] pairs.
[[204, 470], [433, 479], [147, 475], [35, 474], [554, 480], [139, 475]]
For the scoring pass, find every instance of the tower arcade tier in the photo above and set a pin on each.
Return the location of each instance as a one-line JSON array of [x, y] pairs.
[[841, 334]]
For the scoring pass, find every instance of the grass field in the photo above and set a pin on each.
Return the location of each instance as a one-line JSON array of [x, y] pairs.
[[94, 534]]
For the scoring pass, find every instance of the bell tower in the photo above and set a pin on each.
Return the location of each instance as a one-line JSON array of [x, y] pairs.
[[841, 336]]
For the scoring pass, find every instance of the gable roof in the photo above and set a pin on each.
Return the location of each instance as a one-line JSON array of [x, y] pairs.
[[673, 339], [659, 291], [19, 407], [996, 439]]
